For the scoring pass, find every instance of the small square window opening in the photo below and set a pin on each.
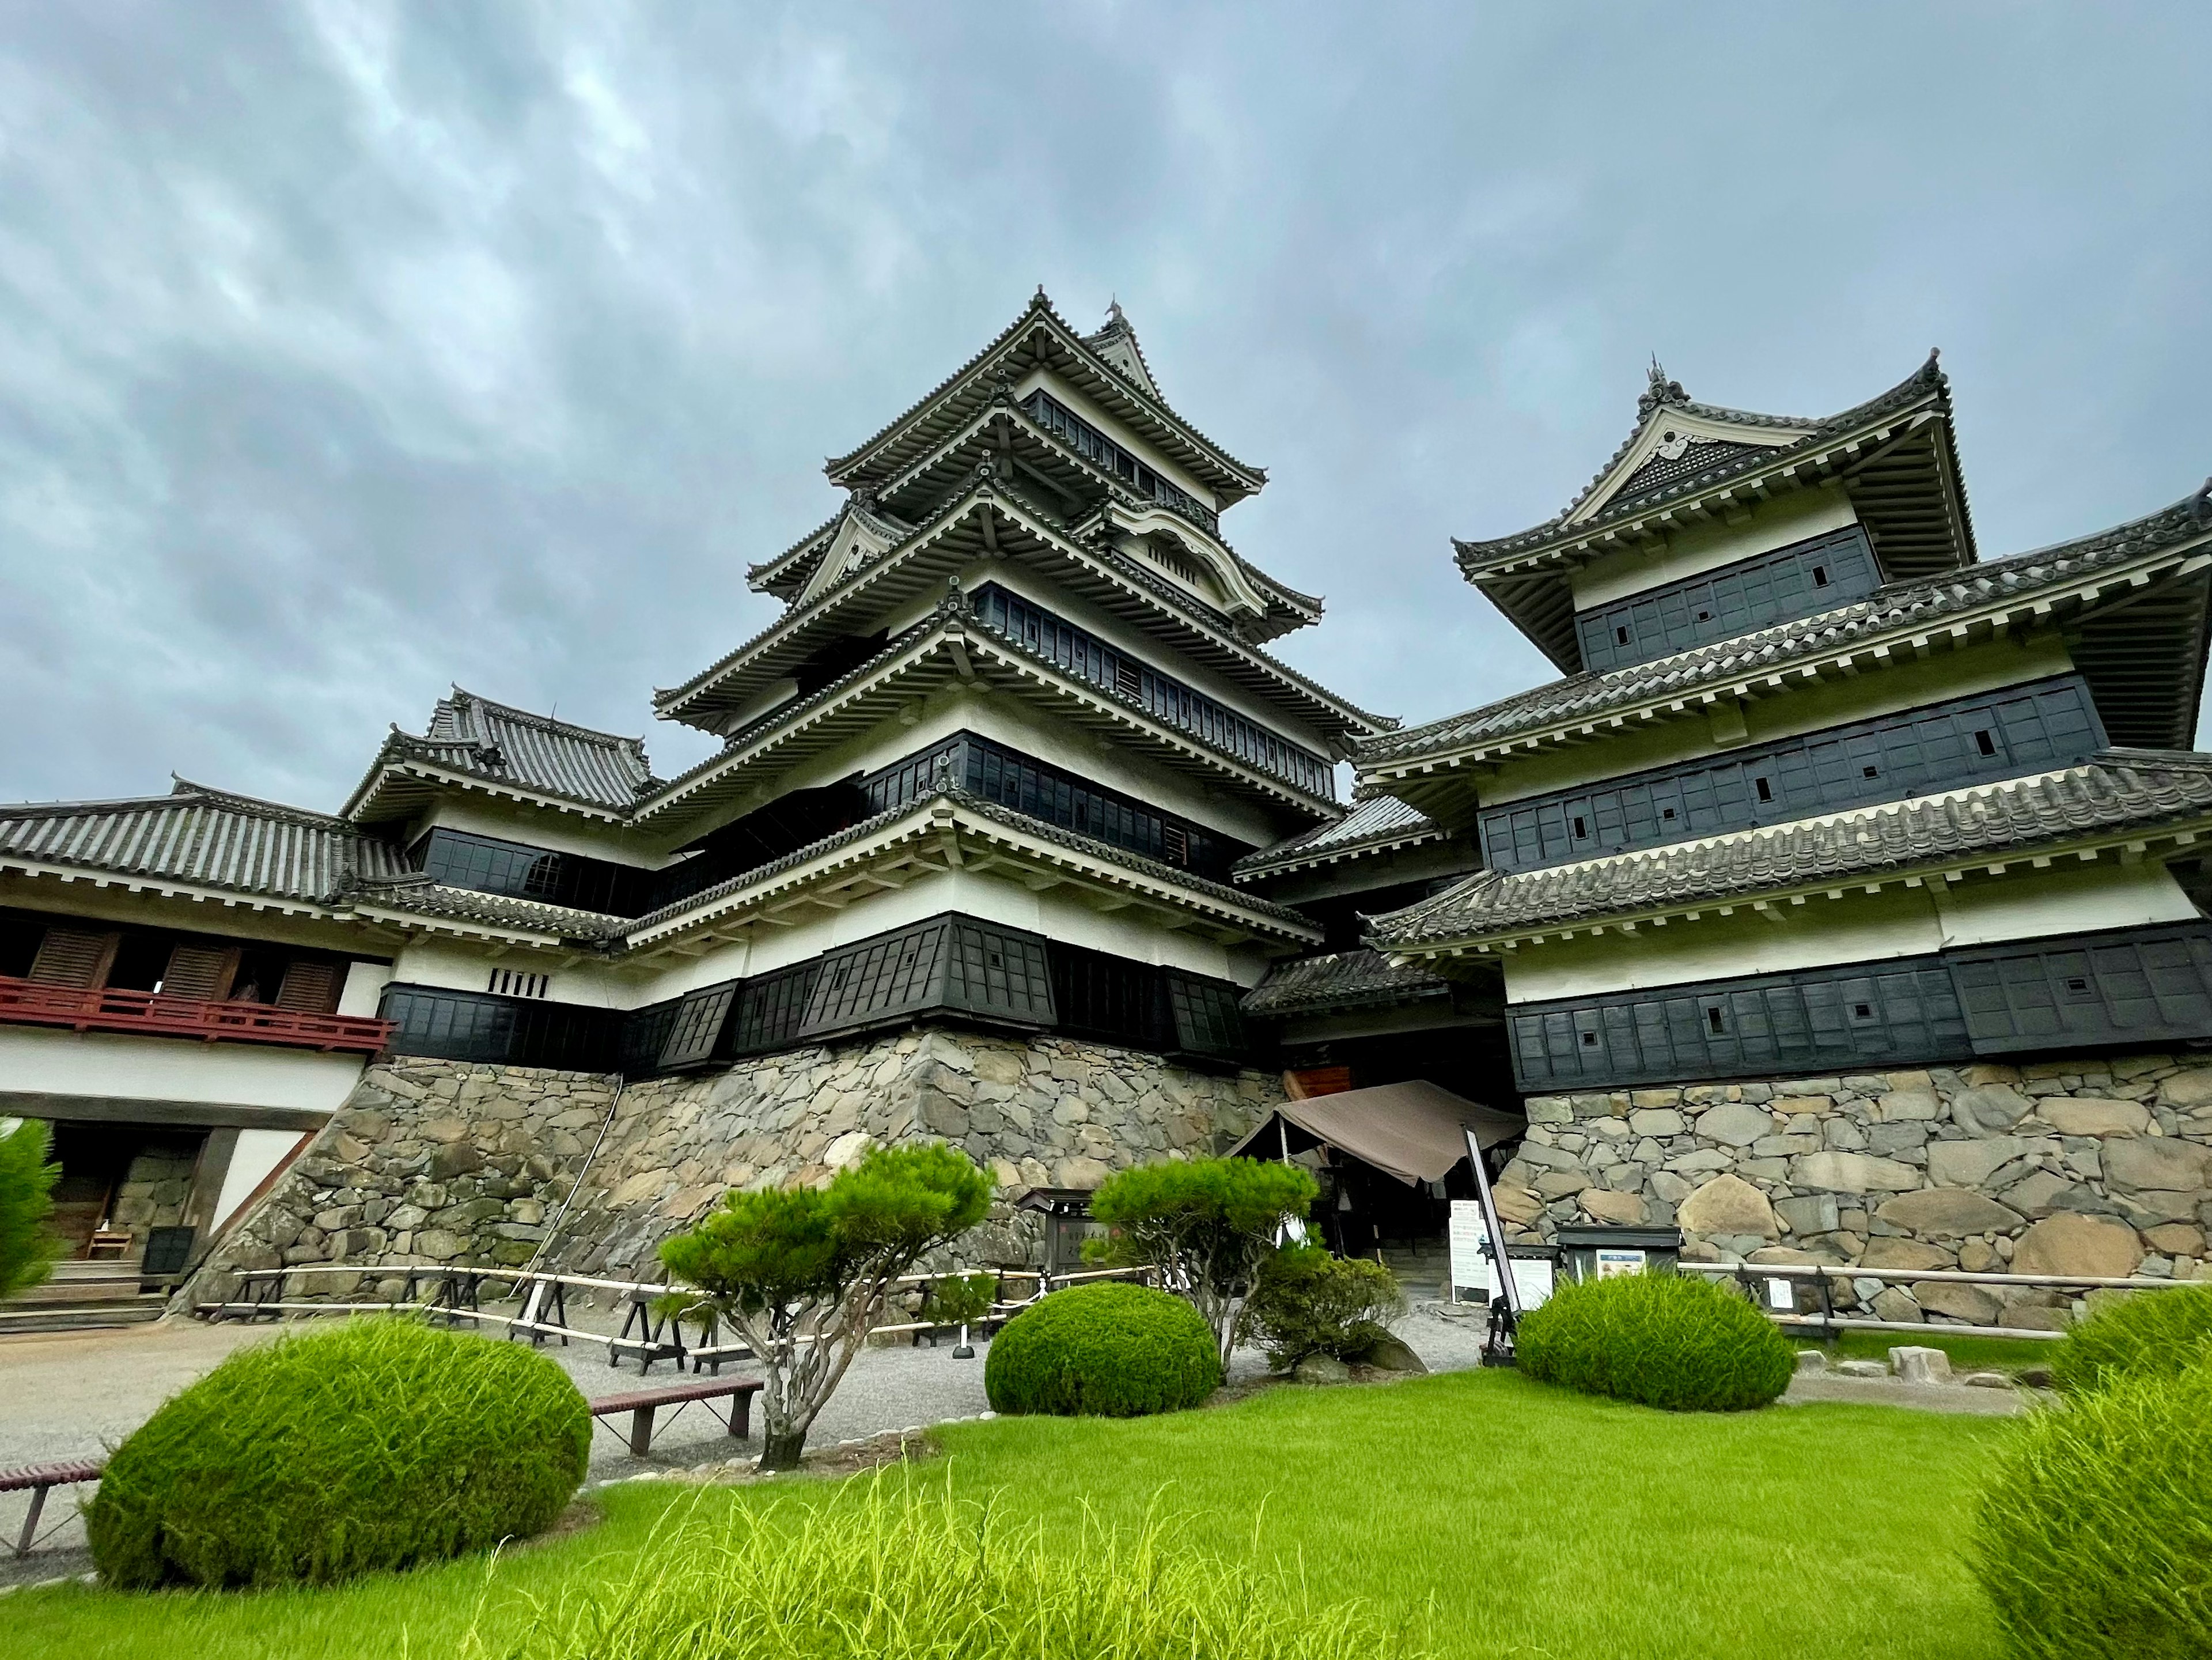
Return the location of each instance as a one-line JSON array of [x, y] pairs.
[[1862, 1010], [1820, 576], [1713, 1019], [1765, 790], [1621, 636], [1581, 828], [1589, 1040], [1986, 744], [1869, 772]]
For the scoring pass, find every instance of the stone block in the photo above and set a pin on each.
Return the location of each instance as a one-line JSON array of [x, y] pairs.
[[444, 1130], [1887, 1140], [2073, 1116], [1991, 1108], [2176, 1238], [1920, 1365], [2163, 1162], [1861, 1369], [2027, 1317], [2185, 1091], [1894, 1302], [1517, 1204], [1843, 1136], [2038, 1195], [1902, 1253], [1812, 1363], [1947, 1213], [1971, 1304], [1968, 1164], [1667, 1187], [1730, 1205], [1656, 1121], [1083, 1173], [1735, 1124], [1853, 1172], [1559, 1183], [1705, 1158], [455, 1160], [1547, 1109], [1817, 1213], [1793, 1106], [2073, 1243], [1615, 1208]]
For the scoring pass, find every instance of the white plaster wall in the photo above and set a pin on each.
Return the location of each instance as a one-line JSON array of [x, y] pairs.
[[113, 1067], [1634, 748], [2059, 901], [1704, 547], [257, 1153], [457, 965], [1858, 928], [364, 987]]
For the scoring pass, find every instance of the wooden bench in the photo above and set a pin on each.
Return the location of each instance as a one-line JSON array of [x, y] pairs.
[[642, 1404], [38, 1479]]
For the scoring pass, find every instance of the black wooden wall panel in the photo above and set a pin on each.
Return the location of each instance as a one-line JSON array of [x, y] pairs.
[[2138, 984], [1801, 580], [1900, 1012], [2006, 735]]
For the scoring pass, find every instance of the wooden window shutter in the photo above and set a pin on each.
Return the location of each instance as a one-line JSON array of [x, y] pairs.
[[201, 971], [309, 987], [72, 956]]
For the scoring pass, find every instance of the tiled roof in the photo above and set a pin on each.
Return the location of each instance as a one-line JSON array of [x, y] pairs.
[[424, 897], [1899, 606], [536, 751], [1348, 979], [2118, 789], [1474, 555], [1374, 825], [205, 838]]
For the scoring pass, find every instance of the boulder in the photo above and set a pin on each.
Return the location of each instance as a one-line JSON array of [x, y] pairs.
[[1728, 1204], [1517, 1204], [1816, 1214], [1861, 1369], [2038, 1195], [1083, 1173], [2163, 1162], [1734, 1124], [1971, 1304], [2029, 1316], [1560, 1183], [2071, 1116], [1656, 1121], [2071, 1243], [1619, 1209], [1322, 1369], [1947, 1213], [2176, 1239], [1391, 1354], [1968, 1164], [1987, 1380], [1853, 1172], [1989, 1109], [1812, 1363], [1920, 1365]]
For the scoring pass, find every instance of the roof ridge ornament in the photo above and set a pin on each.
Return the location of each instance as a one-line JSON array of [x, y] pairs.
[[1659, 390], [2200, 505]]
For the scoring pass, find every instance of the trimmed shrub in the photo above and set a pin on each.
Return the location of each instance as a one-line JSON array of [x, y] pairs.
[[2152, 1334], [2093, 1537], [1108, 1350], [383, 1443], [1675, 1341], [1308, 1301], [27, 1185]]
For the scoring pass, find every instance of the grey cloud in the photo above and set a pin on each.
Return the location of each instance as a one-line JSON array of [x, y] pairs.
[[347, 350]]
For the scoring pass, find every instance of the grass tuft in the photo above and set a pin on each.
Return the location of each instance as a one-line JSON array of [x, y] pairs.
[[2152, 1334], [894, 1570]]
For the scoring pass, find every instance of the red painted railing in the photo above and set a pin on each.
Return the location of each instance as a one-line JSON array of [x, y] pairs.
[[26, 1002]]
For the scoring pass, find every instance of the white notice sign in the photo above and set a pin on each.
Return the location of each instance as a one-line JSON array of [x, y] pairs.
[[1614, 1261], [1470, 1268]]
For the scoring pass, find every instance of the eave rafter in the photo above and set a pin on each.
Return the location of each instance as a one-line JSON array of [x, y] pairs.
[[941, 835]]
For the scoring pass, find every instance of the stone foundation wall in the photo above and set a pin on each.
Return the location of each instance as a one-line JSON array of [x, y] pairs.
[[433, 1162], [2087, 1165]]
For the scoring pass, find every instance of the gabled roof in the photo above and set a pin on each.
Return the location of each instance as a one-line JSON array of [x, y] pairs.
[[1341, 980], [1117, 343], [1381, 823], [960, 536], [787, 575], [2018, 819], [2116, 573], [1687, 463], [531, 756], [1040, 337], [200, 837]]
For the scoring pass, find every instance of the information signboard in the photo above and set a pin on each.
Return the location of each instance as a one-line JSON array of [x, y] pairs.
[[1470, 1268]]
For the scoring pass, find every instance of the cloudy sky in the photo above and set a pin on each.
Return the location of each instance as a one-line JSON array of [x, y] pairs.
[[349, 351]]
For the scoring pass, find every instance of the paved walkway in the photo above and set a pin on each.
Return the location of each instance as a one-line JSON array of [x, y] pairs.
[[68, 1393]]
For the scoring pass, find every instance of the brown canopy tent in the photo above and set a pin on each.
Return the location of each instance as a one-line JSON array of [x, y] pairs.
[[1412, 1131]]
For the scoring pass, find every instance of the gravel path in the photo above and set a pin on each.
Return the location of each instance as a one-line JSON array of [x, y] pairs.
[[68, 1393]]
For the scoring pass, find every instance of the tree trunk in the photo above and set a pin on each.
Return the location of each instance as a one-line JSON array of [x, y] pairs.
[[780, 1451]]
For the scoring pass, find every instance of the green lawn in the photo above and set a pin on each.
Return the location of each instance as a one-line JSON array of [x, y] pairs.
[[1967, 1353], [1542, 1524]]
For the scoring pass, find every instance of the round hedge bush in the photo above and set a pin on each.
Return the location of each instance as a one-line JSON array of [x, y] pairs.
[[1675, 1341], [1106, 1349], [2093, 1536], [2151, 1333], [378, 1444]]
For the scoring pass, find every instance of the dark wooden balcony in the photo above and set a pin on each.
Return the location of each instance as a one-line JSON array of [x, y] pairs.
[[26, 1002]]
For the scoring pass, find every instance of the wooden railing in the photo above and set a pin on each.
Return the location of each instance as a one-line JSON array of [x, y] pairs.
[[26, 1002]]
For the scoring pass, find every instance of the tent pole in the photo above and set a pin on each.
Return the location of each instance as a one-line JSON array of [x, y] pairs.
[[1283, 1137]]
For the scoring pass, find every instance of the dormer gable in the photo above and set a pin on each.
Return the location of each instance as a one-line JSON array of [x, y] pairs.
[[863, 535], [1676, 440]]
